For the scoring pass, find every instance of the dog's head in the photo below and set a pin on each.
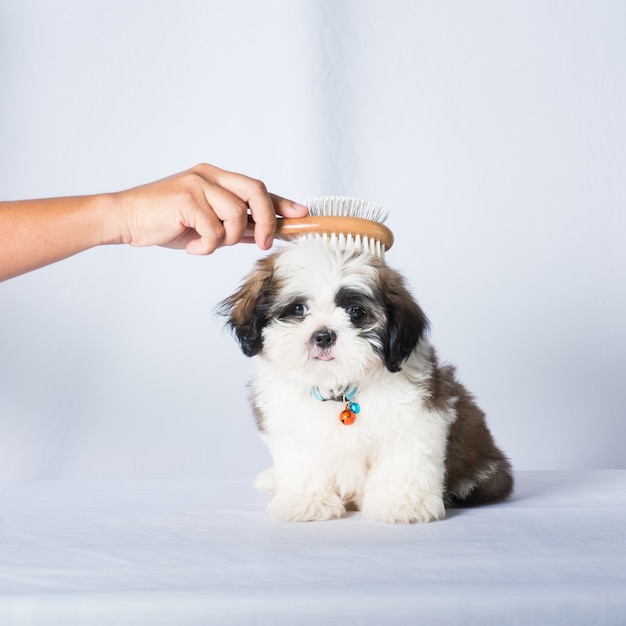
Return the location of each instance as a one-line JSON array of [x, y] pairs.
[[324, 316]]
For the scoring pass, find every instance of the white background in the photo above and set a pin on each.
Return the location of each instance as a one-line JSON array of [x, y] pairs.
[[494, 132]]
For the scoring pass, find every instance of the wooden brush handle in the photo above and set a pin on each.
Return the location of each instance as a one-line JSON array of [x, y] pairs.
[[289, 228]]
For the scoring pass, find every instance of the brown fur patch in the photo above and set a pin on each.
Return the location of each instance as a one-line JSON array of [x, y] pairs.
[[241, 304], [259, 416], [247, 309], [473, 457], [476, 469], [406, 322], [441, 384]]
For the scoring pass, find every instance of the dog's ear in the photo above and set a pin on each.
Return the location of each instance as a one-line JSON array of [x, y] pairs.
[[406, 322], [247, 310]]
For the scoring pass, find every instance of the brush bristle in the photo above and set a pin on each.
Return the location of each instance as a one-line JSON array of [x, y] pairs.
[[343, 206], [348, 207], [349, 242]]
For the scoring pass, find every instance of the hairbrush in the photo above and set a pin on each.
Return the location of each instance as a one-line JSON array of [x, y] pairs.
[[345, 222]]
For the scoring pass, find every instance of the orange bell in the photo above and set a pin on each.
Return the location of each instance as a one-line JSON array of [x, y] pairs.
[[347, 416]]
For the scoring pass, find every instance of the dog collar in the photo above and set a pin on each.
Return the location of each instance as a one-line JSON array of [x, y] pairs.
[[347, 394], [348, 415]]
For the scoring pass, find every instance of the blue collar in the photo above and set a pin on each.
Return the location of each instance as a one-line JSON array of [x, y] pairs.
[[348, 393]]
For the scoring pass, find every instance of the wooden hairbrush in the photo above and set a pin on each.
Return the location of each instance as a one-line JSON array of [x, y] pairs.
[[348, 223]]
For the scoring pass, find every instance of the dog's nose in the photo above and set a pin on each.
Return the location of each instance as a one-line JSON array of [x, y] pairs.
[[324, 338]]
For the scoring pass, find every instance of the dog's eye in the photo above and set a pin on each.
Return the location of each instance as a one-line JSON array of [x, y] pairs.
[[355, 312], [299, 310]]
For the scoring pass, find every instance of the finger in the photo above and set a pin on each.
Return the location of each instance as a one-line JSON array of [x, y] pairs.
[[263, 206], [216, 217], [288, 208], [254, 193], [262, 213], [208, 233], [282, 207], [202, 245], [229, 210]]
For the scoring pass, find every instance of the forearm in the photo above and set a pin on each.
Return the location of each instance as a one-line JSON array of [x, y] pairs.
[[34, 233], [198, 210]]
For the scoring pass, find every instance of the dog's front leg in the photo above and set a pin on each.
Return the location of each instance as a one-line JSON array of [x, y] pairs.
[[302, 494], [405, 483], [402, 499], [291, 505]]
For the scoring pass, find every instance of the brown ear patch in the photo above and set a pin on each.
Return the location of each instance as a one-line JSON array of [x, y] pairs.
[[406, 322], [247, 310]]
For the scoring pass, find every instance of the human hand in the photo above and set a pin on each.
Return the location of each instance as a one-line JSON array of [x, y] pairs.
[[200, 210]]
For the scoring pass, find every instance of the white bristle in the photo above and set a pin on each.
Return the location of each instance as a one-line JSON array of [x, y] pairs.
[[349, 207], [349, 243]]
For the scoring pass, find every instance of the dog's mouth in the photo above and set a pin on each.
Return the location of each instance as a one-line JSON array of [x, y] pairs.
[[322, 354]]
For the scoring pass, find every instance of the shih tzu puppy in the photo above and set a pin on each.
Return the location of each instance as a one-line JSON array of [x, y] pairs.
[[350, 397]]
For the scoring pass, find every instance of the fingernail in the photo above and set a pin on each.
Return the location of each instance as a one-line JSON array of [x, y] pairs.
[[269, 241]]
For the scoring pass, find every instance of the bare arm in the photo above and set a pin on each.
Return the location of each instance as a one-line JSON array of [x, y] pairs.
[[198, 210]]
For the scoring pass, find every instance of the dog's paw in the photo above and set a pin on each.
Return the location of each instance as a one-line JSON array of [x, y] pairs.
[[412, 509], [265, 482], [306, 507]]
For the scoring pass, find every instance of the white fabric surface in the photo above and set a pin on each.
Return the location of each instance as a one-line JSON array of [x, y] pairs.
[[204, 551]]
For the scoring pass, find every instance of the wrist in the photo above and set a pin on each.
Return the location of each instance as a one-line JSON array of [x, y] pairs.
[[108, 207]]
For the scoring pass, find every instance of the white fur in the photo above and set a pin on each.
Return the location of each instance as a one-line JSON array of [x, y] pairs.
[[390, 462], [304, 271]]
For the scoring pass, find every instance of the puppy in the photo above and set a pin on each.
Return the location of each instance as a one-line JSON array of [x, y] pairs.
[[350, 397]]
